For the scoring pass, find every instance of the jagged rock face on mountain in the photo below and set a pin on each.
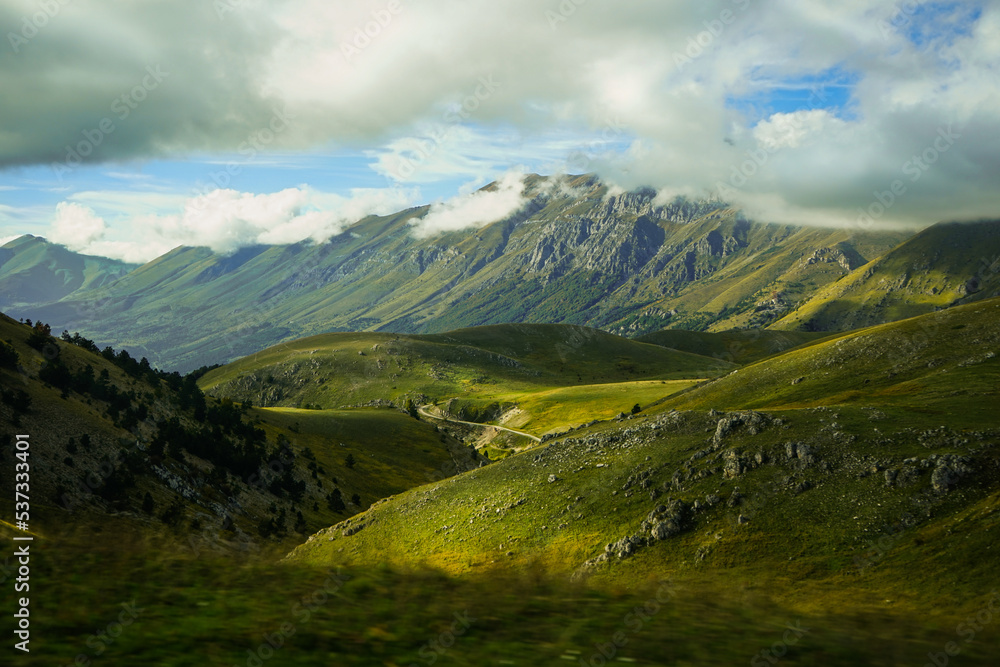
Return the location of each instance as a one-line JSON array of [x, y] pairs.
[[574, 253], [605, 245]]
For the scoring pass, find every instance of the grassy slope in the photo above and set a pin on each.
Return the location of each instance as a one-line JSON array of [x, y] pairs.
[[738, 346], [751, 278], [32, 270], [551, 410], [482, 364], [393, 452], [945, 264], [214, 611], [942, 358], [791, 563], [511, 514]]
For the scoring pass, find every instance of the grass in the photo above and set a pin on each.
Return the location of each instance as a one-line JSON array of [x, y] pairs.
[[219, 611], [510, 514], [880, 574], [559, 375], [392, 451], [560, 408], [928, 271], [832, 548], [921, 362], [737, 346]]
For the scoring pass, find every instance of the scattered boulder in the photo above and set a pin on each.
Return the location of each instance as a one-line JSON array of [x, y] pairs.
[[949, 471], [668, 520], [752, 422], [625, 547], [735, 464]]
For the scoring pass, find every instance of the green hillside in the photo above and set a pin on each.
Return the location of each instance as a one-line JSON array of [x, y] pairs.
[[740, 346], [931, 363], [112, 436], [342, 369], [942, 266], [536, 377], [838, 529], [232, 612], [790, 499], [34, 271]]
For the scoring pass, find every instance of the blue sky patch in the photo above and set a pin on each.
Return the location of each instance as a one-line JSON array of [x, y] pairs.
[[830, 89]]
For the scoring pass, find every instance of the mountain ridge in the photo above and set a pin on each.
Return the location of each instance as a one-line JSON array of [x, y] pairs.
[[34, 270], [576, 253]]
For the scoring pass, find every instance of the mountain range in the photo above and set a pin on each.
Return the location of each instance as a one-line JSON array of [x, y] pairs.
[[575, 253], [538, 472]]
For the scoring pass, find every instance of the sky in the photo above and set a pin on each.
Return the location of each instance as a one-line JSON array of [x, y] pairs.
[[129, 128]]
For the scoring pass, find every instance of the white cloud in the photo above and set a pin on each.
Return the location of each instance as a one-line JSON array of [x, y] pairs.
[[475, 209], [76, 226], [789, 130], [225, 221], [665, 74]]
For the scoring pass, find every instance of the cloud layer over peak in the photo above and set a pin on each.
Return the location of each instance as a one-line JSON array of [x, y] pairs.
[[225, 221], [801, 110]]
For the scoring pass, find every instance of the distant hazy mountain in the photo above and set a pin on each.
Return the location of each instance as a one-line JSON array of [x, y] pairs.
[[34, 271], [574, 254]]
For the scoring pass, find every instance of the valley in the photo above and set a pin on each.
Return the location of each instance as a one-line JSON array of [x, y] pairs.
[[478, 334], [601, 401], [789, 486]]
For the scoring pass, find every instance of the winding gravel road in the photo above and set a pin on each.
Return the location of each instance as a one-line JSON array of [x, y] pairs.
[[423, 411]]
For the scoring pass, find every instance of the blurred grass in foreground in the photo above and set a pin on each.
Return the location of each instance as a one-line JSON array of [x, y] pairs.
[[158, 608]]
